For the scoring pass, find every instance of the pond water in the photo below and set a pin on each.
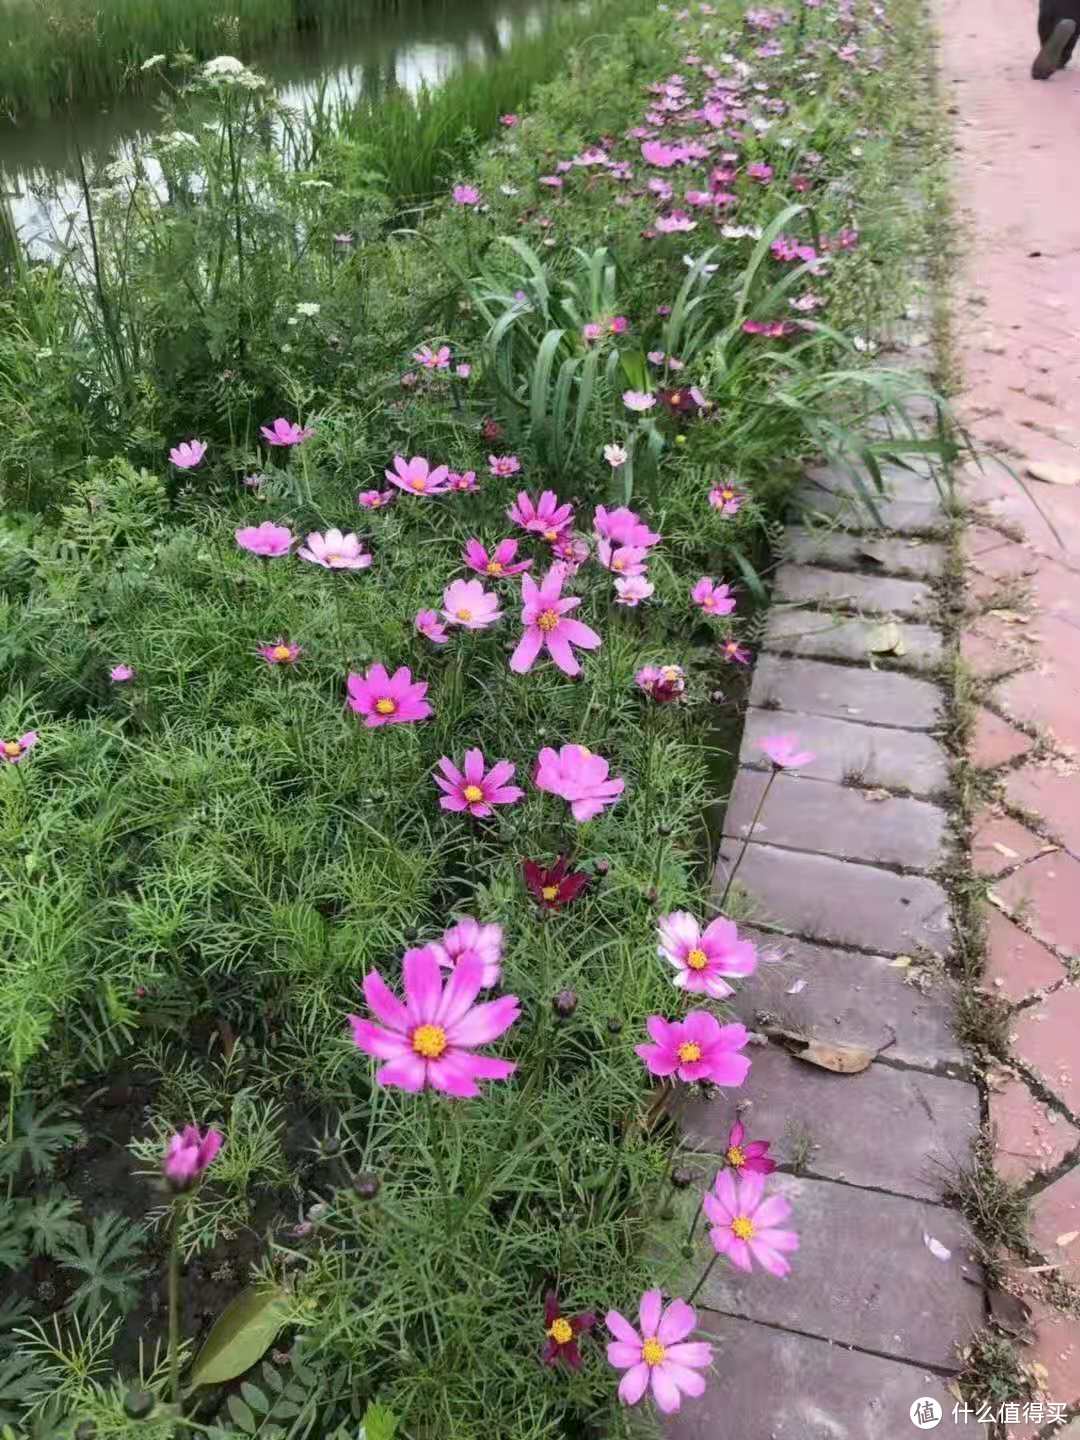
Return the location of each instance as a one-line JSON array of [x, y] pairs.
[[415, 45]]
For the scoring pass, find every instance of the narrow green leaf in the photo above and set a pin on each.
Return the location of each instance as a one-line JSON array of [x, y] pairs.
[[241, 1334]]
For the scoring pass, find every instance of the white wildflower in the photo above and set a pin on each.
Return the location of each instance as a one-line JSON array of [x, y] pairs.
[[308, 307], [153, 60]]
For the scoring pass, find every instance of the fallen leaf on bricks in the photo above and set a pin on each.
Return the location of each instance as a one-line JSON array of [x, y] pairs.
[[1006, 851], [1013, 617], [831, 1055], [936, 1248], [1051, 474], [796, 989], [1067, 1238], [876, 795], [886, 639], [1011, 1315], [901, 962]]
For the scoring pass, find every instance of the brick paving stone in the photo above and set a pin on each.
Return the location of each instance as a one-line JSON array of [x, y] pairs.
[[999, 842], [841, 820], [881, 697], [1044, 700], [895, 759], [863, 1274], [1016, 965], [887, 1128], [1047, 892], [837, 903], [844, 590], [978, 540], [771, 1384], [1030, 1137], [991, 656], [898, 517], [882, 555], [996, 742], [1057, 1350], [898, 482], [1044, 1037], [1055, 1224], [813, 635], [1054, 798], [845, 994]]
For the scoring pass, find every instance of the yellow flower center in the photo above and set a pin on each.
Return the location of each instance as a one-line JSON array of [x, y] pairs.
[[417, 483], [550, 892], [494, 567], [548, 620], [618, 564], [652, 1352], [551, 535], [697, 959], [473, 793], [281, 652], [429, 1041], [561, 1331], [742, 1227], [463, 614], [727, 494], [12, 747], [689, 1051], [385, 706], [736, 1157], [333, 559], [675, 397]]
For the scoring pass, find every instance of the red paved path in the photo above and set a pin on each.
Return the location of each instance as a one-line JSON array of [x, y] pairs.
[[1017, 319]]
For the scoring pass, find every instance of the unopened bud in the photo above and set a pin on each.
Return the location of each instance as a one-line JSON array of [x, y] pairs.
[[564, 1003], [138, 1404], [366, 1185]]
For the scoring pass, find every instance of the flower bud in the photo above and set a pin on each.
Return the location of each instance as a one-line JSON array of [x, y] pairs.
[[138, 1404], [188, 1155], [682, 1177], [85, 1430], [366, 1185], [614, 1026], [564, 1003]]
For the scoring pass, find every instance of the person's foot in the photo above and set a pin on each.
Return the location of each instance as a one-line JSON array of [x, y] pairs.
[[1049, 57]]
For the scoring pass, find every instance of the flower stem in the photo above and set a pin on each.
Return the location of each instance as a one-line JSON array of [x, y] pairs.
[[179, 1205], [747, 838], [694, 1222], [701, 1282]]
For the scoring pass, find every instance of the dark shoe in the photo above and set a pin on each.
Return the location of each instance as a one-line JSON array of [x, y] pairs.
[[1049, 57]]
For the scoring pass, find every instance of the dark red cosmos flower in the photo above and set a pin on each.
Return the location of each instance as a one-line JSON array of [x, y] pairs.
[[490, 429], [682, 403], [555, 886], [562, 1333]]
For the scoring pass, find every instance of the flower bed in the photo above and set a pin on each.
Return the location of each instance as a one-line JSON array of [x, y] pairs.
[[405, 706]]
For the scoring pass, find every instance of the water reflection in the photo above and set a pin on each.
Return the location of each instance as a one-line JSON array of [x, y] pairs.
[[418, 44]]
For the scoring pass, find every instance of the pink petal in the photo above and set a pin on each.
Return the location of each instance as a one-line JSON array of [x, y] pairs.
[[665, 1391], [462, 987], [738, 1252], [450, 770], [453, 1076], [693, 1353], [769, 1259], [622, 1354], [649, 1312], [453, 802], [506, 794], [474, 766], [726, 1192], [499, 773], [771, 1212], [490, 1067], [634, 1384], [407, 1072], [779, 1239], [374, 1040], [729, 1069], [621, 1328], [485, 1022], [578, 633], [558, 647], [678, 1321], [423, 985], [689, 1382], [751, 1189], [383, 1003], [528, 648]]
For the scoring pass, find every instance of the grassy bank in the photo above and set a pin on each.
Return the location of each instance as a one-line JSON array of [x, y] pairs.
[[208, 845]]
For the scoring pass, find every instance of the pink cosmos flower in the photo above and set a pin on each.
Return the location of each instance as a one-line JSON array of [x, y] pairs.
[[747, 1157], [660, 1357], [466, 195], [417, 477], [714, 599], [189, 1155], [12, 751], [547, 626], [429, 1038], [385, 699], [702, 957], [463, 370], [469, 940], [725, 499], [572, 550], [545, 517], [268, 540], [465, 482], [121, 673], [622, 559], [676, 223], [500, 562], [760, 172], [662, 683], [187, 455], [553, 182], [471, 789], [696, 1048], [509, 120], [638, 400], [375, 499], [615, 455], [433, 359], [784, 752], [618, 325], [633, 591], [579, 777], [284, 432], [467, 603], [281, 652], [744, 1223], [500, 465], [591, 331], [335, 551], [623, 527], [431, 627]]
